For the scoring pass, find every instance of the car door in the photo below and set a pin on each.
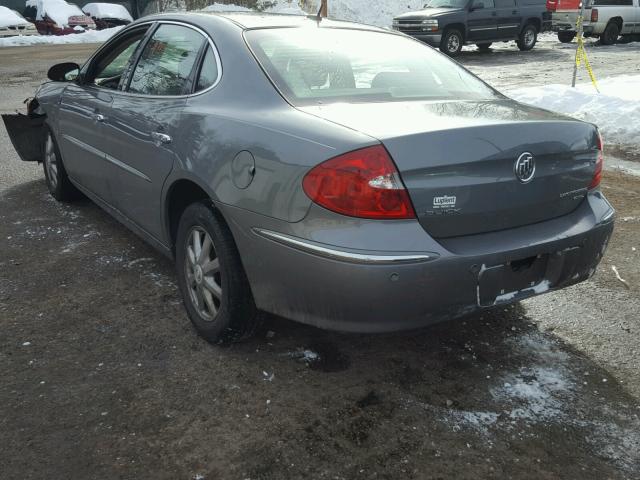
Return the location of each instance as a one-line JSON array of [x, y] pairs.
[[85, 107], [482, 21], [145, 120], [509, 18]]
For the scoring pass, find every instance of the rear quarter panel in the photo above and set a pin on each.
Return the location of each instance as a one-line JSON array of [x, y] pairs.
[[244, 112]]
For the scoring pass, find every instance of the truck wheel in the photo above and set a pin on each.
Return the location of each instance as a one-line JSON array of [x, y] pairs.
[[528, 37], [55, 174], [214, 286], [610, 34], [483, 47], [566, 37], [452, 42]]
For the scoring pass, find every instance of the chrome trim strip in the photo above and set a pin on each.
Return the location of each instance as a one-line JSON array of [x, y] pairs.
[[334, 254], [106, 156], [481, 28]]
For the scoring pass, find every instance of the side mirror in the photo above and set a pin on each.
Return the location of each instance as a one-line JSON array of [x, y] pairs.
[[64, 72], [476, 6]]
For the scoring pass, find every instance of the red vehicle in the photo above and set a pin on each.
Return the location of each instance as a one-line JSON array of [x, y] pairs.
[[554, 5], [57, 17]]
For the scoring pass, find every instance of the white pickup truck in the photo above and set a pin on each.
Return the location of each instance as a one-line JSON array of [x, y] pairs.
[[606, 19]]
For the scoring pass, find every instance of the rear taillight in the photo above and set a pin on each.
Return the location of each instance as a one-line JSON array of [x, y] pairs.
[[551, 5], [364, 183], [597, 174], [594, 14]]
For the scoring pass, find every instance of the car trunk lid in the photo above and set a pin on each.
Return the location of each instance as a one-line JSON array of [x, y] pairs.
[[458, 160]]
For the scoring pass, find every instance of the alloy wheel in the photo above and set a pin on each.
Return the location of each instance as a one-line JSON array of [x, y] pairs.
[[202, 270], [529, 37], [453, 43]]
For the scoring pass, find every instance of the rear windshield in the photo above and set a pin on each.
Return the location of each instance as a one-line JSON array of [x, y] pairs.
[[327, 65]]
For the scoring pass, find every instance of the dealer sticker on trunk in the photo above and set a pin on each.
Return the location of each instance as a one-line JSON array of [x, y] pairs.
[[446, 201]]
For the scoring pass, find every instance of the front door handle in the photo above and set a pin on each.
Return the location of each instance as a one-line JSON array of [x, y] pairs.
[[514, 12], [494, 14], [98, 117], [161, 138]]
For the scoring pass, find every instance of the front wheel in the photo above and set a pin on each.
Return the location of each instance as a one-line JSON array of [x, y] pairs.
[[214, 287], [566, 37], [528, 38], [55, 174], [451, 42], [610, 34]]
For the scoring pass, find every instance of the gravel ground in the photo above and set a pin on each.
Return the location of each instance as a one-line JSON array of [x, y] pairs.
[[103, 376]]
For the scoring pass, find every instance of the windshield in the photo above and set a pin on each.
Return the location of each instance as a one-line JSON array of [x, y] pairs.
[[328, 65], [446, 4]]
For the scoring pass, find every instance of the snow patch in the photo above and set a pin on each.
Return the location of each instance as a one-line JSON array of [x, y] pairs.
[[57, 10], [10, 17], [616, 109], [89, 36], [380, 13], [288, 7], [107, 10]]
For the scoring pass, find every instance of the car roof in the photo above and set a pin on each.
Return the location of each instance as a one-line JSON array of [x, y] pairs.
[[254, 20]]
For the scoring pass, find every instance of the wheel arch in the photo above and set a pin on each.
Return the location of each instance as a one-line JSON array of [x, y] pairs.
[[456, 26], [180, 193], [617, 20], [536, 22]]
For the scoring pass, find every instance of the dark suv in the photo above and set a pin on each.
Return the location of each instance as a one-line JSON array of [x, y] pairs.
[[449, 24]]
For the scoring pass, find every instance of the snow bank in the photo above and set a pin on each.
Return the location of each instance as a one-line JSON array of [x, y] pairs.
[[107, 10], [57, 10], [616, 110], [8, 17], [289, 7], [90, 36], [379, 13]]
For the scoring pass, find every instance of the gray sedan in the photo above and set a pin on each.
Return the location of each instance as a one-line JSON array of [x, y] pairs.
[[332, 173]]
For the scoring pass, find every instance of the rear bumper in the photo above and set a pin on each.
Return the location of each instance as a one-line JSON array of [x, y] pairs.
[[369, 290]]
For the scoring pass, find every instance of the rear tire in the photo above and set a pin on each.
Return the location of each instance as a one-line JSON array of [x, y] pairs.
[[55, 174], [483, 47], [528, 38], [452, 42], [214, 287], [566, 37], [610, 34]]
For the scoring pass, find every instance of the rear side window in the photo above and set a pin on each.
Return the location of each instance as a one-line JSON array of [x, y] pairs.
[[208, 71], [167, 62], [612, 2]]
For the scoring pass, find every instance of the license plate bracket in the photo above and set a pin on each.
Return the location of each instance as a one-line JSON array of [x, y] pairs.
[[513, 280]]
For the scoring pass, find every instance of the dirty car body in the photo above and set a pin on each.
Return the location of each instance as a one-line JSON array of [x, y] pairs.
[[469, 200]]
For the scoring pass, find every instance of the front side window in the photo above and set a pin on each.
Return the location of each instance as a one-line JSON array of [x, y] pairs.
[[484, 3], [314, 66], [166, 65], [108, 69]]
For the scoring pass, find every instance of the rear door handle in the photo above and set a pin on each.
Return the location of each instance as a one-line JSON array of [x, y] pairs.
[[98, 117], [161, 138], [514, 12], [493, 14]]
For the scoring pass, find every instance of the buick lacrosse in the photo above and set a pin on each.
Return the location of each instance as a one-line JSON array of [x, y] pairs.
[[328, 172]]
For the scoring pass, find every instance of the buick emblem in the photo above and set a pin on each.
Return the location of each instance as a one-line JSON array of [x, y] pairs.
[[525, 168]]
